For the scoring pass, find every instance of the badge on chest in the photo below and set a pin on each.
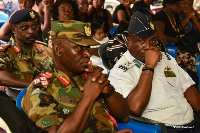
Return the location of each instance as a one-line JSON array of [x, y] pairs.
[[168, 72]]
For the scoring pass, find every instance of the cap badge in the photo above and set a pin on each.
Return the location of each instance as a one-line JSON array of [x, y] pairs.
[[87, 30], [32, 14], [152, 25]]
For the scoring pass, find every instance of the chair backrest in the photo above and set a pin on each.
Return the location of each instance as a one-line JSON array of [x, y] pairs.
[[172, 50], [197, 66], [142, 125], [139, 127], [19, 98]]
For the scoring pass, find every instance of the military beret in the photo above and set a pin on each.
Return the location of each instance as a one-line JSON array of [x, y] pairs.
[[23, 15], [75, 31], [141, 25]]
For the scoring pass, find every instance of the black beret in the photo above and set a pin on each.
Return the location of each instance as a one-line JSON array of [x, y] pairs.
[[23, 15], [141, 25]]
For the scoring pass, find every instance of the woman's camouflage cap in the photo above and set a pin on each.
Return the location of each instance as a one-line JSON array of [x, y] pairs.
[[75, 31]]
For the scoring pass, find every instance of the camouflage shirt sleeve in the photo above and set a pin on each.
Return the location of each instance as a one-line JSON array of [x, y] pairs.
[[42, 106], [5, 60]]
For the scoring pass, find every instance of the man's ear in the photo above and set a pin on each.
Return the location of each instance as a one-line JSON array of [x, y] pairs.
[[58, 49], [13, 28]]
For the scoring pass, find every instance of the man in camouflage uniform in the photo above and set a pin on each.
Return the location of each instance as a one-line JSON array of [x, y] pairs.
[[22, 59], [65, 99]]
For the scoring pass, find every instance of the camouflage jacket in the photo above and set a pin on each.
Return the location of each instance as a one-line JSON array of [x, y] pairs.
[[24, 65], [52, 97]]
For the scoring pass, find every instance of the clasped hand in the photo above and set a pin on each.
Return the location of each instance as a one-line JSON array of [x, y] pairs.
[[96, 82]]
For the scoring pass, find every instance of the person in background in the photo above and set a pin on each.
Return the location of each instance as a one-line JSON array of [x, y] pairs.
[[101, 16], [5, 30], [83, 10], [155, 86], [71, 95], [65, 10], [44, 7], [188, 17], [98, 35], [122, 12], [169, 25], [22, 59]]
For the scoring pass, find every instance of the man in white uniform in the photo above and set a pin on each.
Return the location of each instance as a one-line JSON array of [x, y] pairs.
[[153, 83]]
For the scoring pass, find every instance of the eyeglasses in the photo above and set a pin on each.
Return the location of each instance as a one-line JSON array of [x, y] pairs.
[[26, 27]]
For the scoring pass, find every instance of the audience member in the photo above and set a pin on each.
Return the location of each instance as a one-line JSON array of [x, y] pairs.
[[101, 16], [98, 35], [167, 22], [44, 7], [65, 10], [153, 83], [83, 10], [188, 17], [122, 12], [62, 98], [5, 30], [23, 57], [13, 120], [143, 6]]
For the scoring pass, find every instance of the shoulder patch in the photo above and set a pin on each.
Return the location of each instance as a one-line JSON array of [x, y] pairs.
[[137, 63], [64, 80]]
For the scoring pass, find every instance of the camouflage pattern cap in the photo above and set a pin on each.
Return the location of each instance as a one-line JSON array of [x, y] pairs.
[[75, 31]]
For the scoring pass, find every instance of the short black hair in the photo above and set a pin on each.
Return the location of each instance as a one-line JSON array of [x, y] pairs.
[[54, 10], [95, 27]]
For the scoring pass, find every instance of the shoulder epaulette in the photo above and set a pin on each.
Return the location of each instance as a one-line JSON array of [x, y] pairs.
[[43, 79]]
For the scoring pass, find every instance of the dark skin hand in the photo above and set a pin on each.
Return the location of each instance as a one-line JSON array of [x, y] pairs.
[[140, 95], [10, 80], [80, 115]]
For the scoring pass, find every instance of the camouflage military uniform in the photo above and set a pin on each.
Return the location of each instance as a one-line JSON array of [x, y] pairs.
[[21, 63], [52, 97]]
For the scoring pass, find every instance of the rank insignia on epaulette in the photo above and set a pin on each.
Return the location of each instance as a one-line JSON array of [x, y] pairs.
[[36, 81], [47, 75], [65, 111], [169, 73], [137, 63], [64, 80], [17, 49], [45, 82], [85, 76]]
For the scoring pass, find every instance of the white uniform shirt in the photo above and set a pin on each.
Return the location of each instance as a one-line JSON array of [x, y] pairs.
[[167, 102]]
